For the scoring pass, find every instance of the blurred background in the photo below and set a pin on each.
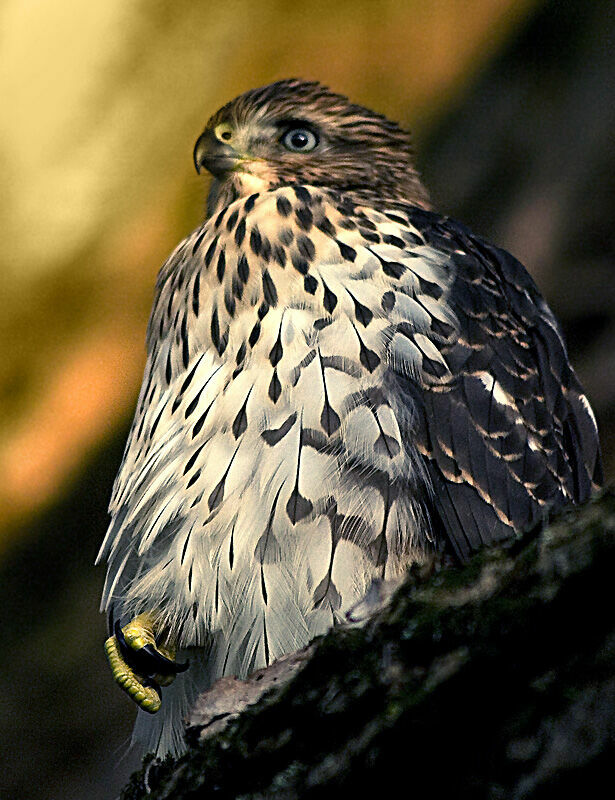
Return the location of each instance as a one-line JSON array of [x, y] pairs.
[[512, 106]]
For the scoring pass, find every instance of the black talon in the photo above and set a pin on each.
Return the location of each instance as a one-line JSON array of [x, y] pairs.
[[146, 660], [163, 664]]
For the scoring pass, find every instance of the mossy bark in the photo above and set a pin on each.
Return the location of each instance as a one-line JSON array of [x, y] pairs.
[[495, 680]]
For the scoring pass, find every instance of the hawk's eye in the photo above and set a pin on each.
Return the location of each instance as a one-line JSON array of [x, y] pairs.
[[299, 140]]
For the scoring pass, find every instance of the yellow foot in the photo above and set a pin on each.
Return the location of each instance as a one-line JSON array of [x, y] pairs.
[[140, 665]]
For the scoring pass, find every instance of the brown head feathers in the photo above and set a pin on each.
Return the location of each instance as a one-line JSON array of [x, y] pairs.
[[355, 151]]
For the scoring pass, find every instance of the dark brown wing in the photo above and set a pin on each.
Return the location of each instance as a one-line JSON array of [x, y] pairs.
[[512, 435]]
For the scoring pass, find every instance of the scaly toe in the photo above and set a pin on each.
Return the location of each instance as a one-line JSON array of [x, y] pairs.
[[139, 665], [143, 691]]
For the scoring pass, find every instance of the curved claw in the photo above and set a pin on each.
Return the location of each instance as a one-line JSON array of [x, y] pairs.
[[163, 664], [146, 659], [140, 666]]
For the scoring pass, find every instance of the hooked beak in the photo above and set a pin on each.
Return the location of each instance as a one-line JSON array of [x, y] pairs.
[[215, 156]]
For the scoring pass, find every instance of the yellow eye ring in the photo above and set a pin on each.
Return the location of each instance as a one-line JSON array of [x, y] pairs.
[[223, 132]]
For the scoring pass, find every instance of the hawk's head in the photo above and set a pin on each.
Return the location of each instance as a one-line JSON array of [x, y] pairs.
[[298, 132]]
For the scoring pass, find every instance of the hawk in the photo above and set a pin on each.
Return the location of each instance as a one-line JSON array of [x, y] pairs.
[[339, 382]]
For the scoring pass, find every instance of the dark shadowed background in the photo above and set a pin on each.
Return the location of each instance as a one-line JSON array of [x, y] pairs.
[[512, 105]]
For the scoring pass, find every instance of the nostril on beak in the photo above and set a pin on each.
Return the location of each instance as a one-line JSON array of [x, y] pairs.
[[223, 132], [214, 154]]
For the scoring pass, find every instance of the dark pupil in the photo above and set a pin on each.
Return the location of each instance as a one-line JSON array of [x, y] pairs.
[[299, 139]]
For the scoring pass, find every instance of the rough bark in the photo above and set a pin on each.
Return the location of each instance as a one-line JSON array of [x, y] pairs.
[[495, 680]]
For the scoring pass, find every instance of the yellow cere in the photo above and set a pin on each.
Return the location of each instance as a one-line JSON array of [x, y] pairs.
[[223, 132]]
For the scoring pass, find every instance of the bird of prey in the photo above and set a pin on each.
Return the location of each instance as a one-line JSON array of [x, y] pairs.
[[339, 382]]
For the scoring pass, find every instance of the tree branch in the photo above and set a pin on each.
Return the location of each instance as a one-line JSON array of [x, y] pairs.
[[494, 680]]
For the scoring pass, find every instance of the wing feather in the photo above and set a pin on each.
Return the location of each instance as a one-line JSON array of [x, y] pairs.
[[507, 434]]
